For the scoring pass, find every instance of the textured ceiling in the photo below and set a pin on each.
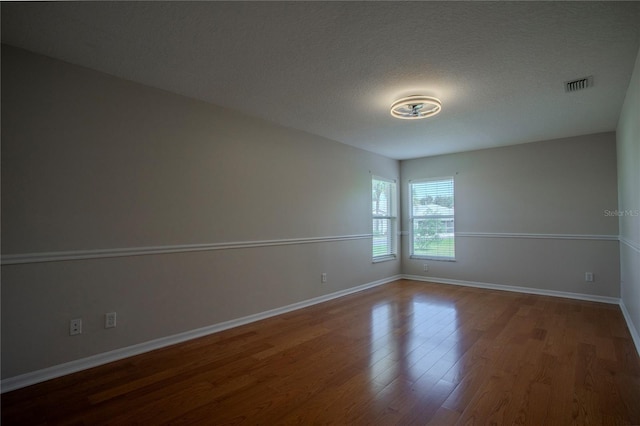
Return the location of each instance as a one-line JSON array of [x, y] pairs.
[[334, 68]]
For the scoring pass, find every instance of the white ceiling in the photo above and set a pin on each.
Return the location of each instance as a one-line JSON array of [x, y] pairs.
[[334, 68]]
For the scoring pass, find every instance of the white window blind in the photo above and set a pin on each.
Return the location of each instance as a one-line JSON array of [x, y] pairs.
[[383, 197], [432, 213]]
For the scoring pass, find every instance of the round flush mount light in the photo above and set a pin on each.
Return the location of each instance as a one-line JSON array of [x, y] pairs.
[[415, 107]]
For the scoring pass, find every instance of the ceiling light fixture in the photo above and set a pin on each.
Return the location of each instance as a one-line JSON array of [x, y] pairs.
[[415, 107]]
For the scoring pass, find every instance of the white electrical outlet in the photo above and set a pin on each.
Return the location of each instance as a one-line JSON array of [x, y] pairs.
[[425, 267], [110, 320], [323, 277], [588, 277], [75, 326]]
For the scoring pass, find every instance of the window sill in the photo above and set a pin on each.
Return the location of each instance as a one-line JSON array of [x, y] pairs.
[[442, 259], [384, 258]]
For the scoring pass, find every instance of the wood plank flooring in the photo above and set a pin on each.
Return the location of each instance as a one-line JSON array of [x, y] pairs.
[[405, 353]]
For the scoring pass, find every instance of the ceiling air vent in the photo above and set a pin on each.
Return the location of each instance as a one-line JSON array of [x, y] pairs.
[[579, 84]]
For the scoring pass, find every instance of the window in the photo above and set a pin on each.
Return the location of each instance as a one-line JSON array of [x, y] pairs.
[[432, 219], [383, 197]]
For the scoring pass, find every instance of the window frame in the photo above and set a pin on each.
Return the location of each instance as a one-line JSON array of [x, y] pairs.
[[392, 217], [412, 219]]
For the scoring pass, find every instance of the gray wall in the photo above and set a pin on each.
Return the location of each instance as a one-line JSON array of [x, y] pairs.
[[92, 162], [628, 136], [553, 189]]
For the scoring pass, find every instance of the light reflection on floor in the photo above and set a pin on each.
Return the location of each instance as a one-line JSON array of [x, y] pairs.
[[410, 339]]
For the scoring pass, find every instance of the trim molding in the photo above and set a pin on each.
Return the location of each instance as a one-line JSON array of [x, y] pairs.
[[632, 329], [75, 366], [539, 236], [516, 289], [15, 259], [630, 244]]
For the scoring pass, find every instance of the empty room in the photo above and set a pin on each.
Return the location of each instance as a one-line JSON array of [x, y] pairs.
[[349, 213]]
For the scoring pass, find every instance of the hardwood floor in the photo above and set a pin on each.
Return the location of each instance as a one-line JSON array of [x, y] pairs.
[[403, 353]]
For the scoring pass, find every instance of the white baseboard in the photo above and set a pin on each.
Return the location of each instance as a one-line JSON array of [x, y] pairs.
[[60, 370], [528, 290], [632, 328], [589, 297]]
